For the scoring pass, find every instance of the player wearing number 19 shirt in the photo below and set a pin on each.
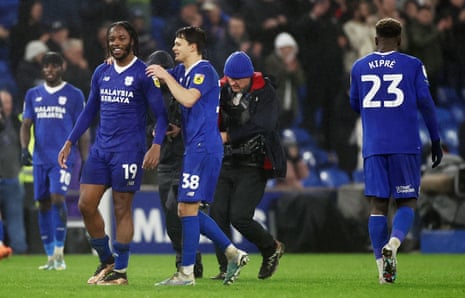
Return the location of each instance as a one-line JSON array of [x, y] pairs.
[[388, 89], [121, 95]]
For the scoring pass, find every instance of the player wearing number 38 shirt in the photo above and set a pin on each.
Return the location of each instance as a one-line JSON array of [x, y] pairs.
[[388, 89]]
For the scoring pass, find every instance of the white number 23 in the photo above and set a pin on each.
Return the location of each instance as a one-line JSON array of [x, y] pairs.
[[369, 100]]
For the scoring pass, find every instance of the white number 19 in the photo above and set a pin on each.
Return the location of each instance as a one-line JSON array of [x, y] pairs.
[[130, 170]]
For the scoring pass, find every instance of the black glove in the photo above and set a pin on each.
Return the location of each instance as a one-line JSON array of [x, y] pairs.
[[436, 153], [26, 157]]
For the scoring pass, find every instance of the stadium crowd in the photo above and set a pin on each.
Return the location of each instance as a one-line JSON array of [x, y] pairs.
[[306, 46]]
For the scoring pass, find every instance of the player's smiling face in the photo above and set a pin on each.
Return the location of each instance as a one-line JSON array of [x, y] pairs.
[[120, 44]]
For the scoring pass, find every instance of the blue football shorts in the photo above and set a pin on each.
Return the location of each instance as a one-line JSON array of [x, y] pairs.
[[120, 170], [50, 178], [199, 177], [392, 175]]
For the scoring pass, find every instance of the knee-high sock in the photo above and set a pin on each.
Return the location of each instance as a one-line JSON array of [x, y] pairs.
[[402, 222], [378, 231], [102, 246], [60, 216], [190, 239], [210, 228], [122, 256], [47, 231]]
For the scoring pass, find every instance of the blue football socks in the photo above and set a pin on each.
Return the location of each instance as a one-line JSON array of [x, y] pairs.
[[209, 228], [378, 231], [46, 231], [190, 239], [60, 215], [122, 256], [402, 222], [102, 246]]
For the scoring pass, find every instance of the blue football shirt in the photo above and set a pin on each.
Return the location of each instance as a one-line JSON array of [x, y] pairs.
[[200, 122], [388, 89], [54, 115], [122, 98]]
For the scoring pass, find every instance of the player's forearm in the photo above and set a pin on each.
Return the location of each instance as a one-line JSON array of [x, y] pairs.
[[84, 144], [186, 97], [25, 135]]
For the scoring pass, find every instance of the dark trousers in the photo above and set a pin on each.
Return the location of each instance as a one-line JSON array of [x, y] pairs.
[[168, 181], [238, 192]]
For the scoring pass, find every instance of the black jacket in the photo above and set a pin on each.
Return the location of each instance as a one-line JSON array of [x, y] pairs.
[[257, 114]]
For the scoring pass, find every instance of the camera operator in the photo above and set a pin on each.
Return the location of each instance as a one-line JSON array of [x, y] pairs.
[[249, 110]]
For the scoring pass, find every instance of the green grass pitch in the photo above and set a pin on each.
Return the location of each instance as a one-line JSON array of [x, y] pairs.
[[299, 275]]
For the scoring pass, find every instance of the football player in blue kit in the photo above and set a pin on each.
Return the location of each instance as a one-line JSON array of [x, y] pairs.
[[52, 109], [194, 83], [120, 95], [388, 89]]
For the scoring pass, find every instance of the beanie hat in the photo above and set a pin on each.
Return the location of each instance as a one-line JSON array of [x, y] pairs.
[[284, 39], [238, 66], [34, 48]]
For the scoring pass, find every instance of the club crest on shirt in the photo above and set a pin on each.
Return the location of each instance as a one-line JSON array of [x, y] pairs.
[[128, 81], [198, 78], [156, 82], [62, 100]]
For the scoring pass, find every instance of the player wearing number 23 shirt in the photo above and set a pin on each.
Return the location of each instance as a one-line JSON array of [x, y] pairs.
[[388, 89]]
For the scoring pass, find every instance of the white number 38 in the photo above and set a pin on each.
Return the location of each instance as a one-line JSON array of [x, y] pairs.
[[190, 181]]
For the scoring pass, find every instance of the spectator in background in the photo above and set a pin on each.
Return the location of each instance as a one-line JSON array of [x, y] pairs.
[[321, 42], [11, 190], [29, 71], [389, 9], [59, 33], [215, 23], [77, 71], [236, 39], [188, 15], [96, 50], [264, 20], [297, 169], [359, 32], [146, 42], [96, 16], [426, 44], [285, 69], [451, 18], [410, 10], [29, 27], [8, 18]]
